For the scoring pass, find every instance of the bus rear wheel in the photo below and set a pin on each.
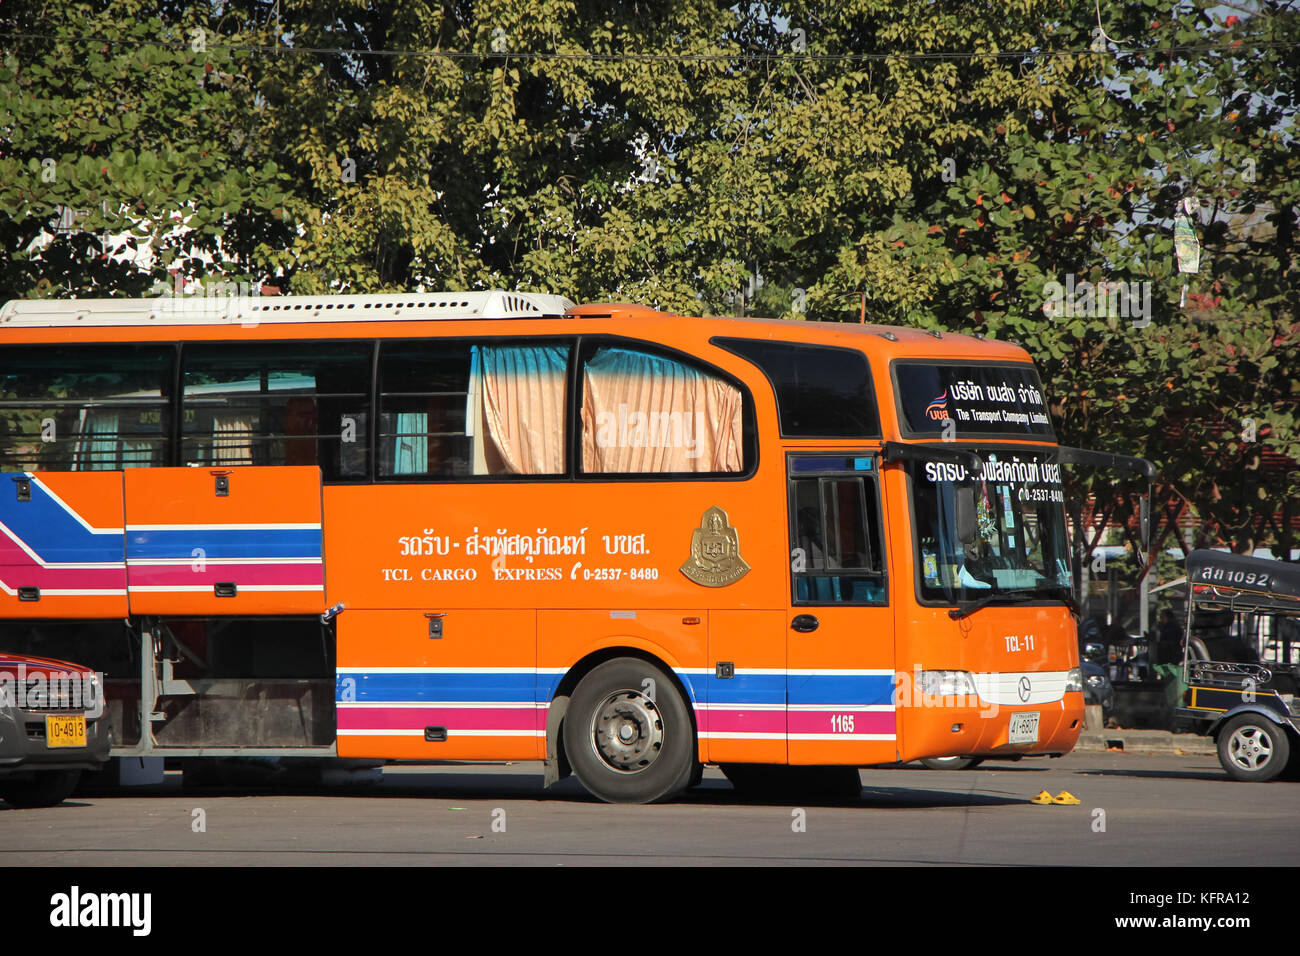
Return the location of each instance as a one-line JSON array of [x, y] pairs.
[[1253, 748], [628, 734]]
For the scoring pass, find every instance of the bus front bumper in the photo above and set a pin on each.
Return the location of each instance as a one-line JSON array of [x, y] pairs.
[[994, 730]]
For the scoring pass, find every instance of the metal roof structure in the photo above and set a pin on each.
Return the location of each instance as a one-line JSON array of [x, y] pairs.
[[279, 309]]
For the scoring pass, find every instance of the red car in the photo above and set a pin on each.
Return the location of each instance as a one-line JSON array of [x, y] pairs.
[[52, 727]]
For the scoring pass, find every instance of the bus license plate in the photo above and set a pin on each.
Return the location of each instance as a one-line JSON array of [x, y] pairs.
[[1024, 728], [65, 731]]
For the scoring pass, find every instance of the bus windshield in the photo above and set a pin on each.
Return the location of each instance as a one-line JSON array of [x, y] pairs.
[[1020, 545]]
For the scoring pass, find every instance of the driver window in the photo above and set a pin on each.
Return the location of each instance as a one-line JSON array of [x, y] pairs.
[[835, 541]]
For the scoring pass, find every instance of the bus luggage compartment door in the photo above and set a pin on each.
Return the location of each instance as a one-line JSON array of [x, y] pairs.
[[61, 545], [212, 540]]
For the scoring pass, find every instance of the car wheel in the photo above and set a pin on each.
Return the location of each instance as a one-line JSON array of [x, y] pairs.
[[1253, 748], [48, 789]]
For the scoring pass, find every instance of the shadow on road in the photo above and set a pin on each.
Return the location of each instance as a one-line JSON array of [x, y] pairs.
[[1194, 774], [720, 793], [1027, 766], [463, 785]]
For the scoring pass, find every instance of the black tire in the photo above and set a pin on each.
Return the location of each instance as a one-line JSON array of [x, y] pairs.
[[1253, 748], [628, 735], [697, 776], [778, 782], [48, 789], [951, 763]]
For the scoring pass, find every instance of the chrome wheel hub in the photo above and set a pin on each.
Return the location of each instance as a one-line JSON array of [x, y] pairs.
[[627, 731], [1250, 748]]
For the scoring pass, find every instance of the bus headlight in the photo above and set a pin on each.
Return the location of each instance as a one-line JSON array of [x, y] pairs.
[[1074, 679], [946, 683]]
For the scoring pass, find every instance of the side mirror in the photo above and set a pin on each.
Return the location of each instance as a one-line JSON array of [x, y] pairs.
[[965, 502]]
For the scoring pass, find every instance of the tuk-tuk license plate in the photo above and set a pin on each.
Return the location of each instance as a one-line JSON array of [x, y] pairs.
[[1024, 728], [63, 731]]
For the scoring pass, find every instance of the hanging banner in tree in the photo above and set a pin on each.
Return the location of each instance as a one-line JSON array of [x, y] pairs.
[[1186, 246]]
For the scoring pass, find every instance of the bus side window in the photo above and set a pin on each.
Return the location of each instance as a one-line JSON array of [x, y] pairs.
[[299, 403], [85, 407], [645, 413], [450, 409], [821, 392], [835, 546]]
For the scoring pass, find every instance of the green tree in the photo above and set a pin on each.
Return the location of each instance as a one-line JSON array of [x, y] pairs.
[[1085, 184], [945, 162], [129, 160]]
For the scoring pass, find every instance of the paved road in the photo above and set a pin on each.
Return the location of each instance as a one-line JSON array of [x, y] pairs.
[[1156, 810]]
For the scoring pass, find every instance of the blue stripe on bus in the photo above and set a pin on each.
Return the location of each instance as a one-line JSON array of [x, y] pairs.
[[48, 529], [547, 685], [515, 687], [746, 689], [224, 543], [840, 689], [525, 687]]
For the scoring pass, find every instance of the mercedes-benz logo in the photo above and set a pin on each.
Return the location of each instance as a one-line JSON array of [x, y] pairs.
[[1024, 689]]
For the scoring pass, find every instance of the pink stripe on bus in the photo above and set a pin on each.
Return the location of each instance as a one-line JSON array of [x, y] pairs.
[[864, 721], [453, 718], [741, 720], [161, 575]]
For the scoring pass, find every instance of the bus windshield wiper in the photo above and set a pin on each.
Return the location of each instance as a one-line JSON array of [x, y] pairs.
[[966, 610]]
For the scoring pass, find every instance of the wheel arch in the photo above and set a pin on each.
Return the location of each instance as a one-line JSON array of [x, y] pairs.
[[1217, 727], [557, 762]]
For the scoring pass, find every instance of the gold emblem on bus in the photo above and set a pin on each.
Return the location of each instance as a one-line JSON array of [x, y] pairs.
[[715, 559]]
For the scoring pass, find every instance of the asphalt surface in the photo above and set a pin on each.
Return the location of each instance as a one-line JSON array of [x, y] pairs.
[[1135, 809]]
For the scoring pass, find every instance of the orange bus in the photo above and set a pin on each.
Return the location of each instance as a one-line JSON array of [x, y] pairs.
[[498, 526]]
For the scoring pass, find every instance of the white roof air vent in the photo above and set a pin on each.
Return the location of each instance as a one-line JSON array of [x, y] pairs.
[[279, 309]]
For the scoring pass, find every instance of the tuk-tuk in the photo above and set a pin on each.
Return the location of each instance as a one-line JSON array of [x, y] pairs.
[[1247, 704]]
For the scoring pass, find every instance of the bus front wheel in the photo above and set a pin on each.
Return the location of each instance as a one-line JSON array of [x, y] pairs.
[[628, 735], [1253, 748], [951, 763]]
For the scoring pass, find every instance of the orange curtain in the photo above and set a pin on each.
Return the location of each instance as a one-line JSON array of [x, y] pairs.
[[523, 408], [644, 413]]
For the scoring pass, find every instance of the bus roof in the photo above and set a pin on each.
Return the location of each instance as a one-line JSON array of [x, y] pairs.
[[278, 309], [159, 319]]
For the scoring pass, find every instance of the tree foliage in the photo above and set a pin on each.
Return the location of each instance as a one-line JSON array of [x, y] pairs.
[[947, 162]]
